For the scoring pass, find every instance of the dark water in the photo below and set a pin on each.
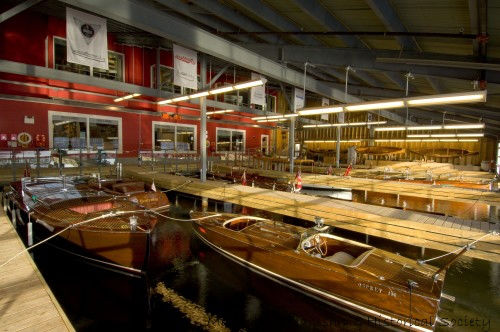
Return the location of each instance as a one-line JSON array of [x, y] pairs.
[[203, 283]]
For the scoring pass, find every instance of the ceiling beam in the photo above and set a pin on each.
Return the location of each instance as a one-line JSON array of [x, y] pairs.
[[314, 9], [187, 10], [367, 60], [17, 9], [474, 24], [387, 14], [266, 13], [232, 16]]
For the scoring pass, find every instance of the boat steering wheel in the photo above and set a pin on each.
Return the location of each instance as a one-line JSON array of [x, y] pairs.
[[321, 245]]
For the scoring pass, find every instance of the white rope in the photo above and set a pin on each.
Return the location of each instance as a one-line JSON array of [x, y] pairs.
[[457, 250], [111, 214], [182, 185], [191, 219]]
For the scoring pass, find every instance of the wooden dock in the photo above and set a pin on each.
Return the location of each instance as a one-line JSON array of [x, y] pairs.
[[445, 193], [335, 213], [26, 301]]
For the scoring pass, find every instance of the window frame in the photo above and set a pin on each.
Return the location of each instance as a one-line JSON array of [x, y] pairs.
[[152, 82], [91, 72], [175, 125], [87, 118], [217, 129]]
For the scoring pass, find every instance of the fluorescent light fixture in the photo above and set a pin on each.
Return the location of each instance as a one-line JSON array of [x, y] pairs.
[[418, 135], [198, 95], [167, 101], [454, 98], [375, 106], [443, 135], [181, 98], [249, 84], [221, 90], [471, 135], [465, 126], [468, 140], [424, 128], [352, 124], [390, 128], [449, 140], [220, 112], [290, 115], [334, 141], [272, 120], [127, 97], [321, 110]]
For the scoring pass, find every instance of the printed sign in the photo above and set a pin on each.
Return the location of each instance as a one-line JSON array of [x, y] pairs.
[[325, 102], [3, 137], [258, 93], [86, 39], [298, 97], [185, 67], [340, 117], [13, 137]]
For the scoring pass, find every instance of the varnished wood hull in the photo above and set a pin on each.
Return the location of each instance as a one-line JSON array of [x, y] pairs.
[[376, 302]]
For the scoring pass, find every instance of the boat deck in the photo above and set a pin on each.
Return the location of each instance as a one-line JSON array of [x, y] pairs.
[[26, 301], [403, 226]]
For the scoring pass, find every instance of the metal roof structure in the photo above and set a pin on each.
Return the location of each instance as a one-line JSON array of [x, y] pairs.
[[447, 45]]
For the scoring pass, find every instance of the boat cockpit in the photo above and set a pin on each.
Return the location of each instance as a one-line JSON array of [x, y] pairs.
[[336, 249]]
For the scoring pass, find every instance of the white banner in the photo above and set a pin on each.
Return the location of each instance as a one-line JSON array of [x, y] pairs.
[[324, 102], [340, 117], [258, 93], [185, 67], [298, 97], [86, 39]]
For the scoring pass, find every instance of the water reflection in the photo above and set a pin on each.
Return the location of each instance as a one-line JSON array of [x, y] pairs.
[[241, 299]]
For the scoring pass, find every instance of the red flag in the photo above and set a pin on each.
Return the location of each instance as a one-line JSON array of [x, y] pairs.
[[348, 170], [244, 178], [330, 170], [298, 181]]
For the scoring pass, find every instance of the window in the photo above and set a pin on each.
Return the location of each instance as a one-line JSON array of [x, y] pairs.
[[115, 62], [174, 137], [167, 79], [230, 140], [73, 132]]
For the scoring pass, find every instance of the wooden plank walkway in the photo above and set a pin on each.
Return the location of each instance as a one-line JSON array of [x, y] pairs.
[[335, 213], [26, 301], [444, 193]]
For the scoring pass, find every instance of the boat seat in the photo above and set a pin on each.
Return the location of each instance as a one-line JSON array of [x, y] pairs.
[[341, 257]]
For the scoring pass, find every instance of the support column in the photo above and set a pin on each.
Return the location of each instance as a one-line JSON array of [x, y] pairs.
[[203, 122], [291, 142], [493, 213]]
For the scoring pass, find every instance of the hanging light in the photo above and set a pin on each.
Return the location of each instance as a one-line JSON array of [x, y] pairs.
[[133, 95]]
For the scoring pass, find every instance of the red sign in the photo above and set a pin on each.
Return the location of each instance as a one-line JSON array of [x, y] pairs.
[[13, 137], [3, 137]]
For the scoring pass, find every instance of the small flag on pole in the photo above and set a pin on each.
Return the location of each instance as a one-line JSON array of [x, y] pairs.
[[153, 187]]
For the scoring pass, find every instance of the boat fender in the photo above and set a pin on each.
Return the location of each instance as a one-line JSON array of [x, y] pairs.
[[19, 218], [13, 216], [5, 202]]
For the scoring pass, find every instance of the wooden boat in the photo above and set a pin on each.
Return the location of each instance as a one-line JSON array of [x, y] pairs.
[[445, 153], [380, 150], [108, 223], [379, 286]]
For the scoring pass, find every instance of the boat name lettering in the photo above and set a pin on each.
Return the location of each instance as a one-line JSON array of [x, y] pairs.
[[370, 287]]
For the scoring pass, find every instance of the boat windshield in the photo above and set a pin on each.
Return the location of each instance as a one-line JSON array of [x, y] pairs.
[[241, 222], [336, 249]]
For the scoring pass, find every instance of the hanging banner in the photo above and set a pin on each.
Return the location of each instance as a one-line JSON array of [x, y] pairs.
[[298, 97], [185, 67], [340, 117], [86, 39], [258, 93], [325, 102]]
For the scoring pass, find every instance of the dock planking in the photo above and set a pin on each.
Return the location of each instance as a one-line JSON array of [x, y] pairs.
[[26, 301], [423, 234]]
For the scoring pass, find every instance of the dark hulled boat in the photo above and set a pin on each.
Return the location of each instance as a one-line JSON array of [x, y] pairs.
[[382, 287], [107, 222]]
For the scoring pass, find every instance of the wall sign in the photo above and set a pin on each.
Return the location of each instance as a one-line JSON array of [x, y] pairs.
[[258, 93], [29, 119], [185, 67], [3, 137]]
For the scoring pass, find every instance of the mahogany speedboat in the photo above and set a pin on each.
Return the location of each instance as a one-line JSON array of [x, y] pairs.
[[106, 222], [379, 286]]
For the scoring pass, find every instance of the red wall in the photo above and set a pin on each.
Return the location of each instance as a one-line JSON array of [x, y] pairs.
[[23, 38]]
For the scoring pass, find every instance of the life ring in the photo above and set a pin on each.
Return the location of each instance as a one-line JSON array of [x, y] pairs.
[[24, 138]]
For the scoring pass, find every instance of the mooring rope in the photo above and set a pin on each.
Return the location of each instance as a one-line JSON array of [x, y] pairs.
[[469, 245]]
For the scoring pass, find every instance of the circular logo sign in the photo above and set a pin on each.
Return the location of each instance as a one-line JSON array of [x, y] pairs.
[[87, 30], [24, 138]]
